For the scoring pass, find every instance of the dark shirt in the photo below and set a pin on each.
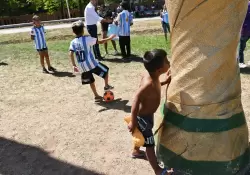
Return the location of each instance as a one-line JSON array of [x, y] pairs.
[[246, 25]]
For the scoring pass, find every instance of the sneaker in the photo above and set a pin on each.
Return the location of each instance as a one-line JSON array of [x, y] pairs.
[[106, 88], [242, 65], [116, 53], [45, 71], [52, 69]]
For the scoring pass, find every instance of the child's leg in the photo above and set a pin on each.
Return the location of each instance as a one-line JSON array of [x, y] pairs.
[[153, 160], [128, 46], [114, 44], [150, 152], [122, 46], [104, 35], [41, 54], [137, 153], [46, 54], [103, 71], [93, 88]]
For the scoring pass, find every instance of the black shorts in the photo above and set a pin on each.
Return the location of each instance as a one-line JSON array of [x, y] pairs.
[[145, 125], [101, 70], [43, 49]]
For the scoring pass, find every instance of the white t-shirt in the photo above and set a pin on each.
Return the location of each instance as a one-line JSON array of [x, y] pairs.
[[91, 17]]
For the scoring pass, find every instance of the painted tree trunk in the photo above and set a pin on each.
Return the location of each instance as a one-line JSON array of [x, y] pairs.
[[204, 129]]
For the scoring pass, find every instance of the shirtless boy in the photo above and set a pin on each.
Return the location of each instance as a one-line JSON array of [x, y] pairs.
[[146, 102]]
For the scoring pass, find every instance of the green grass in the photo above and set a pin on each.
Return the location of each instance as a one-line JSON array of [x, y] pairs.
[[59, 48]]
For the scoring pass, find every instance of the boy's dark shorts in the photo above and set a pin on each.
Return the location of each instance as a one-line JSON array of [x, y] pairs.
[[101, 70], [145, 125], [43, 49]]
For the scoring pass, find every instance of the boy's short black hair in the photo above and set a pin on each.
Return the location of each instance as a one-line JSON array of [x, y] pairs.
[[154, 59], [77, 27], [124, 5]]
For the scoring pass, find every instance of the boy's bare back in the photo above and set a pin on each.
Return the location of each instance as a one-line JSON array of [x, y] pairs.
[[149, 95]]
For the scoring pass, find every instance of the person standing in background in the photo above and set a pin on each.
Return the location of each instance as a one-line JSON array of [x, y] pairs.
[[91, 19], [245, 35], [107, 14], [124, 20], [165, 22]]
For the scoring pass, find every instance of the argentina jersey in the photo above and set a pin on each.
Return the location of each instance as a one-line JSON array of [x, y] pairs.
[[124, 23], [39, 37], [81, 46], [165, 17]]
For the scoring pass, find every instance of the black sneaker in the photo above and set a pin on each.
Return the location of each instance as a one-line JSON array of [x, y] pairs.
[[45, 71], [52, 69], [106, 88]]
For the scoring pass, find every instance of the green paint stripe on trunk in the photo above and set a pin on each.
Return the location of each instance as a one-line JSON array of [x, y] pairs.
[[203, 125], [184, 166]]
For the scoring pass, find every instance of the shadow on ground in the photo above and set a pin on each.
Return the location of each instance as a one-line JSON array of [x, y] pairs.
[[3, 64], [133, 58], [18, 158], [117, 104], [245, 70], [63, 74]]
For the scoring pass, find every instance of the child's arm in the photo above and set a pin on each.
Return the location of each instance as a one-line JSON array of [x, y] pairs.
[[135, 108], [32, 35], [102, 41], [71, 57], [167, 79], [92, 41]]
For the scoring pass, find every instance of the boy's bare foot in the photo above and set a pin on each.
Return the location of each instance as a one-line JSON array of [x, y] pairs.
[[137, 154], [98, 98], [164, 171]]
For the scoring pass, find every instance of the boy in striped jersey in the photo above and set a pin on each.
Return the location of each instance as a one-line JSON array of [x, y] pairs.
[[124, 20], [38, 35], [81, 47]]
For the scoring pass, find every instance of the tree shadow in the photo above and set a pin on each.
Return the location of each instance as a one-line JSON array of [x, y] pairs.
[[63, 74], [18, 158], [3, 64], [117, 104], [133, 58], [245, 70], [136, 58]]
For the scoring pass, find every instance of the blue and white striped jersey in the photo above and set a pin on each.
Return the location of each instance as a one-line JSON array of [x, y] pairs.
[[81, 46], [39, 33], [165, 17], [124, 20]]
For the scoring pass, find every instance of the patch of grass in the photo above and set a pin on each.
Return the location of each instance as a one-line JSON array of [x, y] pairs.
[[59, 48], [141, 27]]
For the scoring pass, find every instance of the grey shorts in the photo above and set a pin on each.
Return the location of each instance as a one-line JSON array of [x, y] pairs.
[[145, 125]]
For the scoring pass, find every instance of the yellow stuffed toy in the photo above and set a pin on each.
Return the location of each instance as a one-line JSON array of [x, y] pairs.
[[138, 139]]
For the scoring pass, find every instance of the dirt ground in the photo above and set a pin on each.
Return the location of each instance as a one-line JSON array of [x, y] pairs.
[[49, 124]]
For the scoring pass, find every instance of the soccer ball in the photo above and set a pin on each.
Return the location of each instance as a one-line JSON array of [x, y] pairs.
[[108, 96]]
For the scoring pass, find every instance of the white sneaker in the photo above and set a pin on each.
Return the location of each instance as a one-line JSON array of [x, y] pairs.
[[242, 65], [116, 53]]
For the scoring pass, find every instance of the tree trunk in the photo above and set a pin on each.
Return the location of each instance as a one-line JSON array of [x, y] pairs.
[[80, 7], [62, 9], [204, 130]]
